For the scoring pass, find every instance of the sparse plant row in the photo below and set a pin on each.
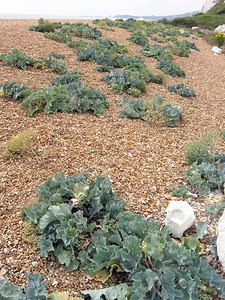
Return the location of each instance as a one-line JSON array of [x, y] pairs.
[[109, 54], [67, 94], [85, 225], [21, 60], [63, 32]]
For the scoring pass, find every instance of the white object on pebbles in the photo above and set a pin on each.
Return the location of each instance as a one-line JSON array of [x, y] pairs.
[[180, 216]]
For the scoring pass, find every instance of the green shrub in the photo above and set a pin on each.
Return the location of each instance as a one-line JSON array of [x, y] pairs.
[[54, 55], [152, 50], [67, 78], [19, 144], [84, 30], [12, 90], [182, 90], [134, 108], [49, 100], [67, 213], [220, 39], [172, 114], [43, 26], [206, 177], [155, 265], [139, 38], [198, 150], [180, 48], [21, 60], [17, 58], [77, 44], [125, 81], [84, 224], [54, 64], [58, 36], [73, 97], [170, 68], [35, 289], [152, 110]]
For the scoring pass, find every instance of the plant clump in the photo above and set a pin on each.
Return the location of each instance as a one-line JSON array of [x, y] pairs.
[[43, 26], [19, 144], [170, 68], [14, 91], [17, 58], [153, 110], [207, 166], [85, 226], [127, 81], [21, 60], [139, 38], [182, 90]]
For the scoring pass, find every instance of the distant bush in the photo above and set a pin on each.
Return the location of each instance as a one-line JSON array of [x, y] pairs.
[[58, 36], [77, 44], [85, 31], [21, 60], [54, 64], [43, 26], [152, 50], [182, 90], [208, 21], [139, 38], [106, 23]]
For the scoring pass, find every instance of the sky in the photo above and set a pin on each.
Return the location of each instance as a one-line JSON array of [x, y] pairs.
[[99, 7]]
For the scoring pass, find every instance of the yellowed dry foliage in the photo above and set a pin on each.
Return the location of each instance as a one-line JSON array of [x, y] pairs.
[[29, 233], [63, 296], [19, 143]]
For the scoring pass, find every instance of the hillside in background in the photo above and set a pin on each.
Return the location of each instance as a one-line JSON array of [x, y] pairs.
[[209, 20], [155, 18]]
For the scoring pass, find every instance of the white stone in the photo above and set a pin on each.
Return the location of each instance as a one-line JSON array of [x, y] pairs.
[[221, 240], [216, 50], [180, 216], [220, 28], [195, 28]]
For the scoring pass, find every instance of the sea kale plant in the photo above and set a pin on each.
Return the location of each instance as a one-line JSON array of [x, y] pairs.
[[14, 91], [182, 90], [21, 60], [151, 110], [84, 224], [67, 94], [170, 68], [69, 210], [206, 171], [72, 97]]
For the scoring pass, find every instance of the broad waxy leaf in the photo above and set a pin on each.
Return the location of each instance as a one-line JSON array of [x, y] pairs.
[[36, 288], [169, 291], [118, 292], [9, 291]]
